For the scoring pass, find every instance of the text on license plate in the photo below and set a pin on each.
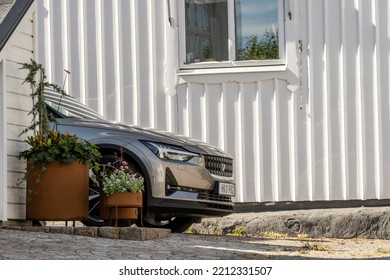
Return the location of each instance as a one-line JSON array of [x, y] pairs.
[[226, 189]]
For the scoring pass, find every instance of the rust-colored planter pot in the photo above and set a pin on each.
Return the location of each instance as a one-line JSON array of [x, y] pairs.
[[124, 204], [61, 195], [125, 199]]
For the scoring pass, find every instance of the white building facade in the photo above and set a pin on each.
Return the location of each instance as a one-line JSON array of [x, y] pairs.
[[311, 124]]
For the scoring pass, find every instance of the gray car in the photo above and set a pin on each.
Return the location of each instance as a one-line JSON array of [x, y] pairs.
[[185, 179]]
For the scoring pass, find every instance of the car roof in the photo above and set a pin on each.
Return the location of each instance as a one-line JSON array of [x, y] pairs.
[[66, 106]]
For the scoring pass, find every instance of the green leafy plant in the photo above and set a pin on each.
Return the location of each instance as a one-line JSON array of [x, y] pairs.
[[119, 177], [41, 118], [48, 145], [54, 146], [238, 232]]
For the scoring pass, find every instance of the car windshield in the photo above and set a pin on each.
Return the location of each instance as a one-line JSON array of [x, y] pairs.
[[65, 106]]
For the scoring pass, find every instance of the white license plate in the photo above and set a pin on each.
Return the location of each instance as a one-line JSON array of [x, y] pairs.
[[226, 189]]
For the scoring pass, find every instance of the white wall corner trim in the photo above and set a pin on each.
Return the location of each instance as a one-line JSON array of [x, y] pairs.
[[3, 172]]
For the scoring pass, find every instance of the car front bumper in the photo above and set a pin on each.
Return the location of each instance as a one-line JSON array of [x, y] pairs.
[[189, 188]]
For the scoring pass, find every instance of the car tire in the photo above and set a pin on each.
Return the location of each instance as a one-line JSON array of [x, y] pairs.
[[177, 225], [94, 219], [94, 195]]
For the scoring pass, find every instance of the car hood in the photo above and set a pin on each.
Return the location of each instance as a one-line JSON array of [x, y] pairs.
[[146, 134]]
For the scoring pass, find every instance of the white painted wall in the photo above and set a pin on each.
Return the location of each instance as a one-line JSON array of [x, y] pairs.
[[347, 99], [117, 53], [3, 190], [15, 104], [325, 141], [335, 148]]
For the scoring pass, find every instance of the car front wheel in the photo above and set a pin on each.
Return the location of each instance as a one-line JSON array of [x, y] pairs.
[[94, 218], [177, 224]]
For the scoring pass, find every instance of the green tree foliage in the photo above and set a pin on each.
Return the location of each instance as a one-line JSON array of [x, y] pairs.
[[260, 49]]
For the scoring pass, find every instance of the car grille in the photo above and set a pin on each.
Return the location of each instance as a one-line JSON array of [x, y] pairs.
[[204, 195], [220, 166], [214, 197]]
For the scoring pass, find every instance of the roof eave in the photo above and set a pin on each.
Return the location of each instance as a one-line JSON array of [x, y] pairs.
[[12, 19]]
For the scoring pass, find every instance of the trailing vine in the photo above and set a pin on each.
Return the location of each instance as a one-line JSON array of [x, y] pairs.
[[41, 118]]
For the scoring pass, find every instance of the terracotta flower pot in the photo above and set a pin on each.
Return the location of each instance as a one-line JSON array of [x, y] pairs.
[[120, 206], [125, 199], [61, 195]]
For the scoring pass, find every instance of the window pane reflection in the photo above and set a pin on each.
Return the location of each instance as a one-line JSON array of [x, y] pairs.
[[257, 34], [206, 30]]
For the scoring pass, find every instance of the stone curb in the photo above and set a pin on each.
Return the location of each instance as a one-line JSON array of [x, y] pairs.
[[345, 223], [126, 233]]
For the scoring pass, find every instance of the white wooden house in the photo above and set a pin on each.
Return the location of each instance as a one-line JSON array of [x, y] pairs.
[[309, 125]]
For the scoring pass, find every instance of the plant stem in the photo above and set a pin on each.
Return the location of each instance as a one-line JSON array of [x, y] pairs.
[[41, 98]]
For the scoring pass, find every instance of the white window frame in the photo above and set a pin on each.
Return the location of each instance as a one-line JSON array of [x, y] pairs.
[[231, 43]]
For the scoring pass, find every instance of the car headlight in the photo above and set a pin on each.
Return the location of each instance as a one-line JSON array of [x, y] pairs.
[[165, 151]]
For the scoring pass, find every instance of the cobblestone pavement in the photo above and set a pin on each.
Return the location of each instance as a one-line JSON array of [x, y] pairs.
[[16, 245]]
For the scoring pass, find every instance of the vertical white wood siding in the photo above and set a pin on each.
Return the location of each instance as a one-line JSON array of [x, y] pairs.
[[123, 59], [116, 52]]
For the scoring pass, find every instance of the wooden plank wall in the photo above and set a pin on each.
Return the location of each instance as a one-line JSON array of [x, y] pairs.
[[16, 105], [327, 140]]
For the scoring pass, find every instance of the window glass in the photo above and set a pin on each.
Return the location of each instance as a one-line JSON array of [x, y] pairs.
[[206, 30], [256, 26], [228, 33]]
